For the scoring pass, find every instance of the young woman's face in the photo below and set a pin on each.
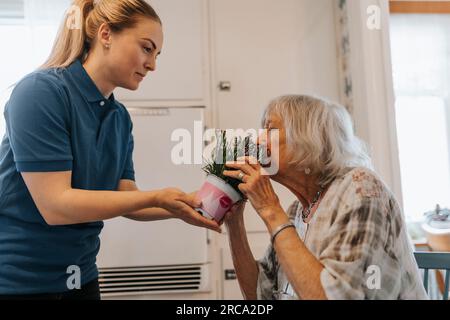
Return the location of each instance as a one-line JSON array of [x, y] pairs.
[[133, 53]]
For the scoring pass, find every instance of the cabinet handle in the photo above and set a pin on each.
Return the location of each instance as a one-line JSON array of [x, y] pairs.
[[225, 85]]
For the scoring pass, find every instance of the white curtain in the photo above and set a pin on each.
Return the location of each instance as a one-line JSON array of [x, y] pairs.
[[421, 66], [343, 53], [421, 59], [420, 49]]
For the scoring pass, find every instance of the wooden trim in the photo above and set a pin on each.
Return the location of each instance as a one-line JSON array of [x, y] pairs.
[[439, 7]]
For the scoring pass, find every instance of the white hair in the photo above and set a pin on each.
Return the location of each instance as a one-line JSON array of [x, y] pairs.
[[319, 135]]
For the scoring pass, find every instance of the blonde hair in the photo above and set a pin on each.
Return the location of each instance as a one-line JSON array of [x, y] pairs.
[[319, 135], [82, 21]]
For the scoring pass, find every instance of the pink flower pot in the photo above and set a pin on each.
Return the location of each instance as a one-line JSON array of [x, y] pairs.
[[217, 198]]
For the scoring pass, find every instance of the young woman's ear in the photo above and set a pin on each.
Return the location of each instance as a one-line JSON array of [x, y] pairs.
[[104, 35]]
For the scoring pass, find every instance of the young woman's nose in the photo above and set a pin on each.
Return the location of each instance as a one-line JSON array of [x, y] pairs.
[[150, 65]]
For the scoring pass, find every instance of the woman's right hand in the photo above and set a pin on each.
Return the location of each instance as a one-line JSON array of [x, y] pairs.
[[181, 206]]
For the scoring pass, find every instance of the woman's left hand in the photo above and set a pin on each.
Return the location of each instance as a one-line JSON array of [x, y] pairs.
[[256, 185]]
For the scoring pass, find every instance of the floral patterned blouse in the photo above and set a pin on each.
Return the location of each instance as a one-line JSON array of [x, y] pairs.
[[359, 235]]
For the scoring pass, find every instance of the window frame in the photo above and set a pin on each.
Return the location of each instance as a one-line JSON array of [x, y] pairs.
[[420, 7]]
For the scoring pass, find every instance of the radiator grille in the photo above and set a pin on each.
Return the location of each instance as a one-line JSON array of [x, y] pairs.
[[152, 279]]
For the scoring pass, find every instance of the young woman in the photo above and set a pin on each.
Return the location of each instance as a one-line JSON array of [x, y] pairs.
[[66, 159]]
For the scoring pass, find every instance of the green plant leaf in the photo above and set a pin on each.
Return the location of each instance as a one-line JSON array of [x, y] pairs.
[[228, 151]]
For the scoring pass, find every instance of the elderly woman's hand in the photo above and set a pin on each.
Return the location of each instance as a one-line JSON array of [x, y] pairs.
[[256, 185], [235, 215]]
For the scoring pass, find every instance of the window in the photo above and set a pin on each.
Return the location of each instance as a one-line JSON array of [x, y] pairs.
[[27, 31], [420, 44]]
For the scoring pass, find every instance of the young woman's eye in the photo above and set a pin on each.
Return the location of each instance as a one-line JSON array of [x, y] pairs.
[[147, 50]]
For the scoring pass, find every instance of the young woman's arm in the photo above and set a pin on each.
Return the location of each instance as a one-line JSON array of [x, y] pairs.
[[60, 204], [148, 214]]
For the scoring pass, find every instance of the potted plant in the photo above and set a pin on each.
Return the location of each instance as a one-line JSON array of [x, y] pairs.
[[219, 193]]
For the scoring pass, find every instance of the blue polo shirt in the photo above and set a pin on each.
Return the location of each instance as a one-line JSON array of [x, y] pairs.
[[57, 120]]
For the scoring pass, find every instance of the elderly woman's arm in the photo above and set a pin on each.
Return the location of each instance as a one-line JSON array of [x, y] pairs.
[[244, 263], [301, 267]]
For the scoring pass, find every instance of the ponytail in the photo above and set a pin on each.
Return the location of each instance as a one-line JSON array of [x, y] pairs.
[[70, 42], [82, 21]]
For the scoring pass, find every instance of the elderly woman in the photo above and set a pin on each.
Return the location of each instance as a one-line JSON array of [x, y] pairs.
[[344, 238]]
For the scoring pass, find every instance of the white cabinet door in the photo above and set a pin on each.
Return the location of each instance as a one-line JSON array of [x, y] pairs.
[[230, 286], [181, 67], [127, 243]]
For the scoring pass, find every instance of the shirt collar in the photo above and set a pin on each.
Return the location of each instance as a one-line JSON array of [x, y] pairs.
[[86, 84]]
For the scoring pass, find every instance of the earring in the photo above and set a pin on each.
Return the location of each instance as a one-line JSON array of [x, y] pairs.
[[307, 171], [107, 46]]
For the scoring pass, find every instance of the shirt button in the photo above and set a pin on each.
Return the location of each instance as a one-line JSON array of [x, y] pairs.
[[102, 103]]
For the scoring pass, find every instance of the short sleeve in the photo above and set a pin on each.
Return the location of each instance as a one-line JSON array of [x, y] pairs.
[[128, 172], [352, 243], [38, 125]]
